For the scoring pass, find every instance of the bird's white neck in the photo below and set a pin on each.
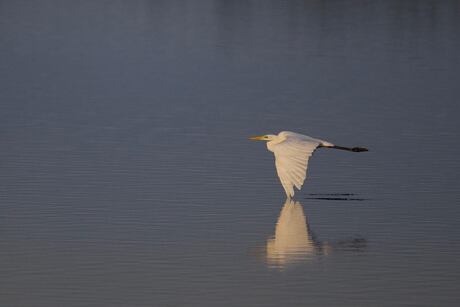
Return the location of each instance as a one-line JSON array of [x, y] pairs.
[[275, 139]]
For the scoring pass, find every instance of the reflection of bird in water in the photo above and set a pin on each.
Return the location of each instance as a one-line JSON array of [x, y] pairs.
[[292, 151], [293, 240]]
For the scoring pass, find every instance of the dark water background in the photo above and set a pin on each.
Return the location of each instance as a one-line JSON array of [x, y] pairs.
[[126, 176]]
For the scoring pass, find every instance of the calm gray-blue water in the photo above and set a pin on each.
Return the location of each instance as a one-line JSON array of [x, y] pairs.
[[127, 179]]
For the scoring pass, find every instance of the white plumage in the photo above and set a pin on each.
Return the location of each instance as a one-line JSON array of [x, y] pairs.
[[292, 152]]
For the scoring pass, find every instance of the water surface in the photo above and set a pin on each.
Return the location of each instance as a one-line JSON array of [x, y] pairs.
[[126, 176]]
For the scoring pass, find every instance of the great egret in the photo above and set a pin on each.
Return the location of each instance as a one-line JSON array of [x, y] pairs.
[[292, 151]]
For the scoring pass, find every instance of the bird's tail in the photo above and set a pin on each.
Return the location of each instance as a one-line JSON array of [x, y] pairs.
[[354, 149]]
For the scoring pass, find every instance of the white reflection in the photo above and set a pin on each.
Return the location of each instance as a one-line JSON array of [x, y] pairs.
[[293, 241]]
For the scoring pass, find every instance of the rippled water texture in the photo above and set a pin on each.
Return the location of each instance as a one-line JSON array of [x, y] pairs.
[[126, 176]]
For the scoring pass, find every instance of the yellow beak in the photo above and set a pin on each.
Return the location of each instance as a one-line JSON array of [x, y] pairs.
[[257, 138]]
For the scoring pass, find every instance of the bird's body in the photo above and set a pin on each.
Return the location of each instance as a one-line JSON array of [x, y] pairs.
[[292, 151]]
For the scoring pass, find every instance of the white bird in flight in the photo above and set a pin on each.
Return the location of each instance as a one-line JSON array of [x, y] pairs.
[[292, 151]]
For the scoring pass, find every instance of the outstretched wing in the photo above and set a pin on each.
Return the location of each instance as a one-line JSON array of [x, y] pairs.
[[291, 159]]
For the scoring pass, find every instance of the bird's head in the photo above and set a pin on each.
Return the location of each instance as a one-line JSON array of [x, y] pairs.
[[267, 137]]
